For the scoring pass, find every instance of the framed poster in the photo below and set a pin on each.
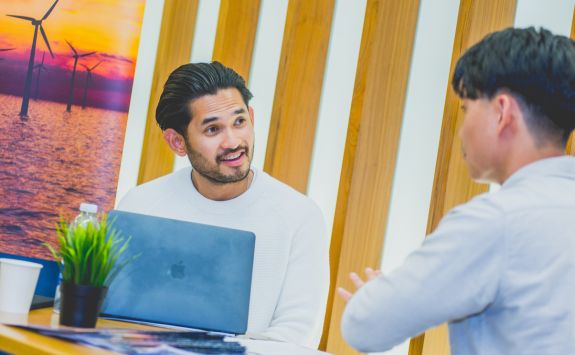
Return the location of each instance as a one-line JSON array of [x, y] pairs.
[[66, 74]]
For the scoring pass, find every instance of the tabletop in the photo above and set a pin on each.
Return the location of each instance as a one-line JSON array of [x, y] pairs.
[[20, 341]]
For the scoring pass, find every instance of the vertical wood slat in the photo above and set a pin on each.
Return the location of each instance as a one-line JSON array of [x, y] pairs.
[[452, 184], [571, 145], [298, 90], [236, 33], [571, 142], [371, 149], [346, 174], [174, 48]]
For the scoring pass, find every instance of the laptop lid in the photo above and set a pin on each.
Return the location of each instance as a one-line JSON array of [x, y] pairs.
[[188, 274]]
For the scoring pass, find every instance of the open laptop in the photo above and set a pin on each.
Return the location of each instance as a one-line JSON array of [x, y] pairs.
[[187, 274]]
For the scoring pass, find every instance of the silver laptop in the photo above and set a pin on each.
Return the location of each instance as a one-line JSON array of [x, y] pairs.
[[188, 274]]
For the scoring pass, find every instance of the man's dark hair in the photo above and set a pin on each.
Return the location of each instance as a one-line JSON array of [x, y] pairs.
[[189, 82], [535, 66]]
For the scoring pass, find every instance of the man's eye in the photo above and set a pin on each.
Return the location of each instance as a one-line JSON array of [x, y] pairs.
[[240, 121], [211, 130]]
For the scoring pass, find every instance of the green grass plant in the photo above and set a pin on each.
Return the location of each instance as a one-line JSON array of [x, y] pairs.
[[88, 254]]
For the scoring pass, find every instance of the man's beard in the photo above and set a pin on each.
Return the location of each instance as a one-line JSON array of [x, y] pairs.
[[212, 172]]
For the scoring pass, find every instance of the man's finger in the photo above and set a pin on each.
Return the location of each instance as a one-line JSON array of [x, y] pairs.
[[345, 294], [357, 281], [371, 274]]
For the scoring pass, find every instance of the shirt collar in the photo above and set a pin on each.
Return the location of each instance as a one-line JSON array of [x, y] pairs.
[[557, 166]]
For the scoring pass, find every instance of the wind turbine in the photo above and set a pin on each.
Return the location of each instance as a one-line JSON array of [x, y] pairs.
[[88, 81], [75, 56], [37, 24], [40, 67]]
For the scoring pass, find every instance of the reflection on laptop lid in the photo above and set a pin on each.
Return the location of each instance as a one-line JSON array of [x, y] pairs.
[[188, 274]]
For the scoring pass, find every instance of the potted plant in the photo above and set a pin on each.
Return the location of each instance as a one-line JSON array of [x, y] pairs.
[[88, 258]]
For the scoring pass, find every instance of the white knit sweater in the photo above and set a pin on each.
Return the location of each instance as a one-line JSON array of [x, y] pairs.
[[291, 268]]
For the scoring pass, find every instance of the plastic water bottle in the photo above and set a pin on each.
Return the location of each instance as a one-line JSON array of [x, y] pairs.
[[88, 214]]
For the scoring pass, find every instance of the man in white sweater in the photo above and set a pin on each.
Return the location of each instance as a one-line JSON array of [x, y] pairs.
[[204, 114], [500, 268]]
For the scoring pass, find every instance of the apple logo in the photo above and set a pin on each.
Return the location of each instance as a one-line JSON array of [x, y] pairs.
[[178, 271]]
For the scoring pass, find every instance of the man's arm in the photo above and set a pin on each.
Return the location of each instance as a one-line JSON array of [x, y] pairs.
[[300, 311], [453, 275]]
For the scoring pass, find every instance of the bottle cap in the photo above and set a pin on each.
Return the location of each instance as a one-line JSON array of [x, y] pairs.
[[88, 207]]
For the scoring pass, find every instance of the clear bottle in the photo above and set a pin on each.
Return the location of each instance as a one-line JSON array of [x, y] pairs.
[[88, 214]]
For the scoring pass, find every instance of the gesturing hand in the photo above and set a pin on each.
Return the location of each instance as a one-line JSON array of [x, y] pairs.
[[358, 282]]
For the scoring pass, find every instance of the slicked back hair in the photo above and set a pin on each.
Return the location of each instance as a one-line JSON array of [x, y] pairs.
[[535, 66], [192, 81]]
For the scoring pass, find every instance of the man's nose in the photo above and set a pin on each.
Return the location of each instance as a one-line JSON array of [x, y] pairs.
[[230, 140]]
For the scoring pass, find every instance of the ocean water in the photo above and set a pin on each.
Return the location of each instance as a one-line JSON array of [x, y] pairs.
[[49, 164]]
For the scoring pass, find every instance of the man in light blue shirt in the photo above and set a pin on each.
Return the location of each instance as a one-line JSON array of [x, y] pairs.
[[500, 268]]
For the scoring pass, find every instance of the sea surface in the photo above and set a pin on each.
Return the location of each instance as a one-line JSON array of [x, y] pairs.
[[50, 163]]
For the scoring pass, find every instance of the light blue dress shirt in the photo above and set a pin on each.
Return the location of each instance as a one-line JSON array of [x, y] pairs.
[[500, 269]]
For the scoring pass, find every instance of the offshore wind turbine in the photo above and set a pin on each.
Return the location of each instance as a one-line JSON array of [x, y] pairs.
[[88, 81], [40, 67], [28, 82], [75, 56]]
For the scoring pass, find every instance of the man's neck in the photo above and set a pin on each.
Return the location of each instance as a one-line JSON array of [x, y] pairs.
[[220, 192], [526, 158]]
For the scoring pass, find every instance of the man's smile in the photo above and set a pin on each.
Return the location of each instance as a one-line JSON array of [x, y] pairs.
[[234, 158]]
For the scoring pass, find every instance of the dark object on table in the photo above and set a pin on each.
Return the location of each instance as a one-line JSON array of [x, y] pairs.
[[41, 302], [81, 304]]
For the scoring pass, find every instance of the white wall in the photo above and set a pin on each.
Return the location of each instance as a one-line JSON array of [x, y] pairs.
[[264, 70], [555, 15], [136, 126], [419, 139], [335, 105]]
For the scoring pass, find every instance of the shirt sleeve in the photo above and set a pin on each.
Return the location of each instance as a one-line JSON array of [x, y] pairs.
[[298, 317], [454, 274]]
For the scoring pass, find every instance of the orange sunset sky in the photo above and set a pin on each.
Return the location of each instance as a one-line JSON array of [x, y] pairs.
[[110, 27]]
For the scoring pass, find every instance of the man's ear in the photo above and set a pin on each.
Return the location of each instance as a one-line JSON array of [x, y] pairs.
[[508, 109], [251, 113], [175, 141]]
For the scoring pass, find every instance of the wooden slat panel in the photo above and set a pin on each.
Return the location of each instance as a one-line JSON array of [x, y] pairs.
[[346, 174], [174, 48], [371, 149], [298, 90], [571, 143], [236, 33], [452, 184]]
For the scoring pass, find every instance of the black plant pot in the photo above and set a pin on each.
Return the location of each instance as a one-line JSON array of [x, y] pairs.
[[80, 304]]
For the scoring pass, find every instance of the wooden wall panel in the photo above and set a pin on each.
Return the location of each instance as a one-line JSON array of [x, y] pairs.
[[174, 48], [236, 33], [371, 149], [571, 143], [452, 184], [298, 91]]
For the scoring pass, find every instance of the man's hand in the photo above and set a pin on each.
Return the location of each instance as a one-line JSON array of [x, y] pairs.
[[358, 282]]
